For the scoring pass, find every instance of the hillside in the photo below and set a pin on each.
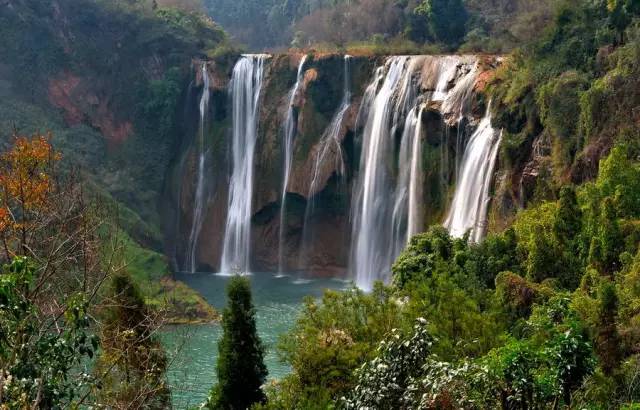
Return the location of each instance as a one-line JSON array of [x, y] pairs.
[[413, 204], [106, 79], [493, 26]]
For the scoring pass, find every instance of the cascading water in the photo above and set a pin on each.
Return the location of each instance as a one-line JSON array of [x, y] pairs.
[[330, 142], [196, 222], [405, 217], [414, 223], [381, 229], [468, 210], [330, 145], [290, 126], [373, 229], [246, 85]]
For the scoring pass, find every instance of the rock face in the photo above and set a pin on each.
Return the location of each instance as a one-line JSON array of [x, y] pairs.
[[317, 220], [80, 104]]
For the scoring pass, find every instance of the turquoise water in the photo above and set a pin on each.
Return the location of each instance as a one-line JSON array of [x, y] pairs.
[[193, 350]]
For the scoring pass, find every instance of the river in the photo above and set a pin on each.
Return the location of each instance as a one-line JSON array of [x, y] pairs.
[[193, 349]]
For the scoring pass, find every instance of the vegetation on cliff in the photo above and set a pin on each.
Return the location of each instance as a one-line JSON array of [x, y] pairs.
[[541, 314], [471, 25], [107, 79]]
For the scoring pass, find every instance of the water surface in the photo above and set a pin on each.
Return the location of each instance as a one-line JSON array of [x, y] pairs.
[[193, 350]]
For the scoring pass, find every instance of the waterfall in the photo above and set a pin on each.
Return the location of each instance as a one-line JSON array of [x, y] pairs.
[[372, 249], [415, 180], [406, 210], [290, 126], [329, 145], [387, 202], [330, 141], [196, 222], [468, 210], [246, 84]]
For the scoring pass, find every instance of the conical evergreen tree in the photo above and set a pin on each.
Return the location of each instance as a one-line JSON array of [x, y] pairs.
[[608, 338], [132, 364], [241, 368], [568, 222]]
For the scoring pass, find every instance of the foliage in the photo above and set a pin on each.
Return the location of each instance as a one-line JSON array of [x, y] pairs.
[[493, 26], [132, 363], [544, 368], [330, 340], [241, 369], [382, 382], [39, 365], [134, 73], [446, 19]]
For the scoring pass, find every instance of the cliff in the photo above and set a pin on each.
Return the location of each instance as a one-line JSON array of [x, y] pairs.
[[321, 183]]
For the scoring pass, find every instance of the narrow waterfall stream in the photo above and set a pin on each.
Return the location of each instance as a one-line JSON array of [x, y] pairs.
[[405, 209], [198, 205], [290, 128], [246, 85], [330, 148], [468, 210], [414, 224], [330, 141]]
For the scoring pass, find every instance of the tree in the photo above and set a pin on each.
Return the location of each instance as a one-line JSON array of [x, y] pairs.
[[620, 16], [608, 338], [37, 364], [132, 364], [606, 246], [568, 221], [241, 369], [446, 19], [383, 381]]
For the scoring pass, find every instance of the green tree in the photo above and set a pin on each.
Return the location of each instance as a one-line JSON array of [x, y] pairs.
[[446, 19], [568, 221], [329, 341], [37, 365], [608, 243], [383, 381], [608, 339], [621, 13], [241, 368], [132, 364]]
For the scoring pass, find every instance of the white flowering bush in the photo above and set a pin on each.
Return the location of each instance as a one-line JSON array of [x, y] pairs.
[[383, 381]]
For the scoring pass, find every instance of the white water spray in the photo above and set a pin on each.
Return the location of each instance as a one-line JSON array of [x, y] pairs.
[[196, 222], [290, 127], [246, 85], [373, 248], [468, 212]]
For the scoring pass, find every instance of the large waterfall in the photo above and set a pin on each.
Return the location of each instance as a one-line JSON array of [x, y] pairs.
[[372, 234], [246, 85], [196, 222], [290, 127], [370, 179], [468, 210], [387, 205]]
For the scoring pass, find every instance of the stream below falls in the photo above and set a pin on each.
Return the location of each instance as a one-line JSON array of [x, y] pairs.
[[193, 349]]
